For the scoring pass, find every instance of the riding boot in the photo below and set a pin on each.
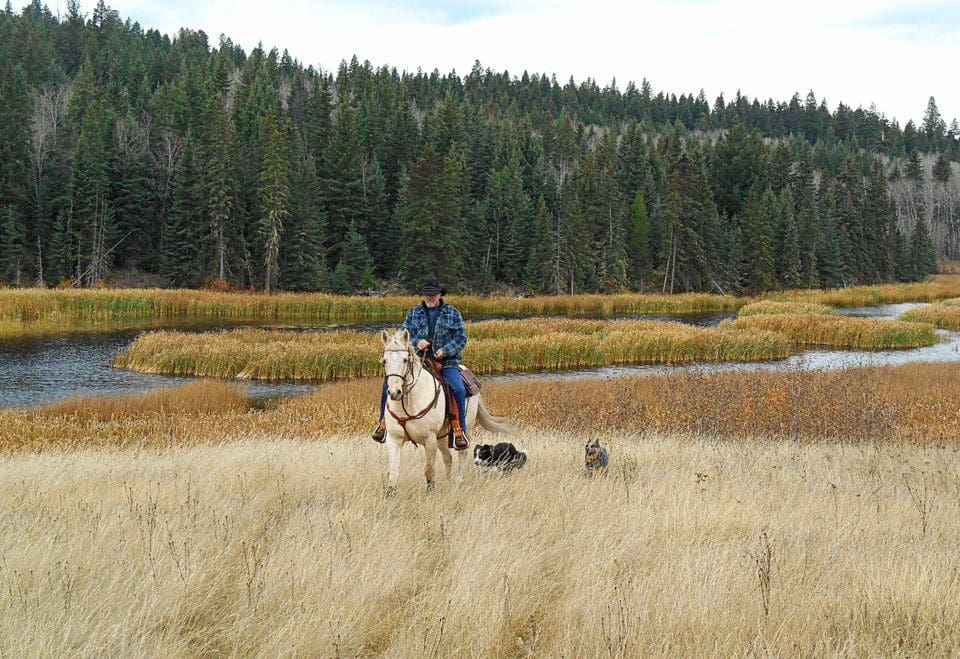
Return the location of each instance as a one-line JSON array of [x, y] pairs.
[[458, 438], [380, 434]]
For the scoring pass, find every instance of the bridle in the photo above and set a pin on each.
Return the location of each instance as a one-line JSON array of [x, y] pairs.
[[405, 389]]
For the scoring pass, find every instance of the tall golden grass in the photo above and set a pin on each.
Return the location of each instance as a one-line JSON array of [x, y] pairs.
[[687, 547], [945, 315], [24, 311], [770, 307], [29, 311], [937, 287], [914, 403], [495, 347], [823, 330]]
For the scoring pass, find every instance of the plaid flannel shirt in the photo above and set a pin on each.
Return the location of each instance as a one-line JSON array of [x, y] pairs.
[[450, 334]]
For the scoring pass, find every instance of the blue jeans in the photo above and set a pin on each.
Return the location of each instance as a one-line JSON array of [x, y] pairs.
[[451, 375]]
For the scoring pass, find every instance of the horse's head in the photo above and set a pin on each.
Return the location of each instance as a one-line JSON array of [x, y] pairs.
[[399, 360]]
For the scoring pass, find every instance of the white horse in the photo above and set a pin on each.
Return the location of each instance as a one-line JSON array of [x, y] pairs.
[[415, 410]]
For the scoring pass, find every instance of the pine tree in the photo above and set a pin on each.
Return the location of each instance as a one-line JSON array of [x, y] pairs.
[[217, 163], [14, 162], [383, 235], [941, 169], [303, 254], [756, 265], [343, 182], [93, 226], [781, 167], [11, 245], [430, 210], [274, 195], [933, 124], [922, 255], [508, 220], [638, 241], [914, 168], [354, 272], [789, 266], [805, 215], [183, 233]]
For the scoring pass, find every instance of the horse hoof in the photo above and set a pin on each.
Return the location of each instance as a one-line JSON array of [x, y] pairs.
[[391, 491], [429, 485]]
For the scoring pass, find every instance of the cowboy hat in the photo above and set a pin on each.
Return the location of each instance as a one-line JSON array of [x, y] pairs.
[[431, 286]]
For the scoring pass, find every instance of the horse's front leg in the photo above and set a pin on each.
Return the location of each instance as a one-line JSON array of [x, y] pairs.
[[430, 457], [446, 455], [393, 463]]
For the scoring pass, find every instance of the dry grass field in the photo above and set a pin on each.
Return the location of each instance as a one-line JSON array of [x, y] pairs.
[[743, 513], [687, 546]]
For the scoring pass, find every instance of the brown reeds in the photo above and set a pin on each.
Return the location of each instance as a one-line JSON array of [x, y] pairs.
[[824, 330], [495, 347], [31, 311], [770, 307], [915, 403], [945, 315]]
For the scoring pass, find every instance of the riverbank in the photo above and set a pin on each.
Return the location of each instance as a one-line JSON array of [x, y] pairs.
[[270, 545], [27, 312]]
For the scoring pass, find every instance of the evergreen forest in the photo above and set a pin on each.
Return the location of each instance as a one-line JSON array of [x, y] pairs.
[[199, 164]]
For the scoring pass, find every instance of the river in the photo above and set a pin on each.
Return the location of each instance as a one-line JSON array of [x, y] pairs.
[[45, 369]]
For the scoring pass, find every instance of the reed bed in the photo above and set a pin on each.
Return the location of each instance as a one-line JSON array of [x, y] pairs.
[[909, 404], [945, 315], [937, 287], [276, 546], [194, 398], [770, 307], [495, 347], [26, 311], [821, 330], [37, 311]]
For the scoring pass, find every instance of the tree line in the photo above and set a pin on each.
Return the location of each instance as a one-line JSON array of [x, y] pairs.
[[125, 148]]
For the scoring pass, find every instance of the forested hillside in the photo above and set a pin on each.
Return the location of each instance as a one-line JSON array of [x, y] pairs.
[[123, 148]]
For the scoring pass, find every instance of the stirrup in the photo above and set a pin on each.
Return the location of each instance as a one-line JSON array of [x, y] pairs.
[[380, 434], [460, 442]]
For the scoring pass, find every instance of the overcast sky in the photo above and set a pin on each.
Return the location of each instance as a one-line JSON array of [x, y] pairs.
[[891, 54]]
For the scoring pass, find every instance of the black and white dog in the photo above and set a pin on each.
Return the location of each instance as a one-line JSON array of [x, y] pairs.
[[501, 457]]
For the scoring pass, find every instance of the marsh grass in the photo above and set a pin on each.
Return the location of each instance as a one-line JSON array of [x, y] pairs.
[[200, 398], [914, 403], [937, 287], [275, 546], [495, 347], [945, 315], [824, 330], [38, 311], [769, 307], [35, 311]]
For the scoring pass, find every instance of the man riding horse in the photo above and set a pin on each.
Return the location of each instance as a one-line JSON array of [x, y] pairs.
[[436, 328]]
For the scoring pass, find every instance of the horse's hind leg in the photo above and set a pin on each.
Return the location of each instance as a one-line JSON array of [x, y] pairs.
[[430, 459]]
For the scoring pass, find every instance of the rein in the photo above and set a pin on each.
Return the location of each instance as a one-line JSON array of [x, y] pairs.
[[405, 389]]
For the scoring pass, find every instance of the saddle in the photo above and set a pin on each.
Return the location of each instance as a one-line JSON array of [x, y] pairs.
[[470, 382]]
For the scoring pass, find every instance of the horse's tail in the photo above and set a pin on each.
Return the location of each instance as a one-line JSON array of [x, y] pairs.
[[489, 421]]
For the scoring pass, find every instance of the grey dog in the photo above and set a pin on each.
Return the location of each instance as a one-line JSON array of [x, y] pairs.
[[596, 456]]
